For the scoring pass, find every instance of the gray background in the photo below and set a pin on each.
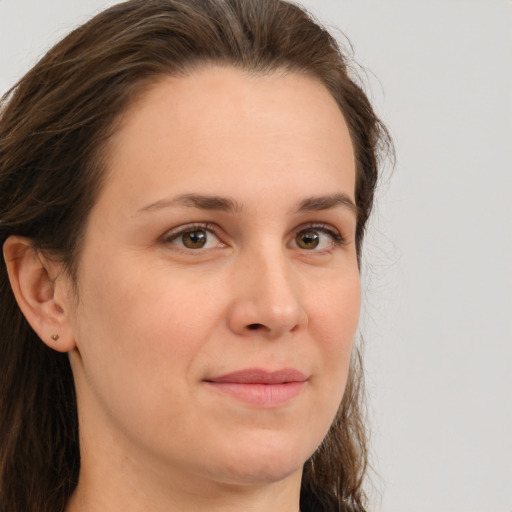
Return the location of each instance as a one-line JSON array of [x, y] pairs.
[[438, 279]]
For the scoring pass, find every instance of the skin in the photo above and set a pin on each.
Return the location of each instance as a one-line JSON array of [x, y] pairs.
[[155, 320]]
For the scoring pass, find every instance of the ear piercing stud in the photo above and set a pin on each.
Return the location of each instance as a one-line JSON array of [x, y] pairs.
[[55, 337]]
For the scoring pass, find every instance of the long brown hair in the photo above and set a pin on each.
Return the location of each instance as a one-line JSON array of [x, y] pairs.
[[54, 130]]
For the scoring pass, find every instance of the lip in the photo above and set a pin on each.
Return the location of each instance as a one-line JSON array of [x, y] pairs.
[[259, 387]]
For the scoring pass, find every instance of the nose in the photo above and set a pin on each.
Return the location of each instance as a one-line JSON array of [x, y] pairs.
[[267, 299]]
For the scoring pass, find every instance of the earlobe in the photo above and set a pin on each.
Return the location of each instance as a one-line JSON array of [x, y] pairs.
[[40, 290]]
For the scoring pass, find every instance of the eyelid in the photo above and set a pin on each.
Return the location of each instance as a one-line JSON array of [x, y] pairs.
[[329, 229], [172, 234]]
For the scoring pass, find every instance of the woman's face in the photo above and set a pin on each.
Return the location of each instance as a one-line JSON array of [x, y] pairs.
[[218, 285]]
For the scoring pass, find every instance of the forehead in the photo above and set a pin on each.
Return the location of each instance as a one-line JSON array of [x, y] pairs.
[[223, 125]]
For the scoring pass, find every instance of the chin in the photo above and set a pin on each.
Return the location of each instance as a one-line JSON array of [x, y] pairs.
[[264, 462], [248, 473]]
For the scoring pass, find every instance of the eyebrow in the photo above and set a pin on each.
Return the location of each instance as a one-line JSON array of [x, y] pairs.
[[202, 202], [226, 204], [313, 204]]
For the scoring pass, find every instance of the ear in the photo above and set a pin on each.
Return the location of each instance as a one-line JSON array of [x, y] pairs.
[[42, 291]]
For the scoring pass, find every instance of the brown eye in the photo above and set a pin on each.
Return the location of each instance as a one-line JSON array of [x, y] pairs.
[[308, 239], [194, 239]]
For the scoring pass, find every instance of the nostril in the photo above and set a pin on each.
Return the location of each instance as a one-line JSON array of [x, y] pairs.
[[254, 327]]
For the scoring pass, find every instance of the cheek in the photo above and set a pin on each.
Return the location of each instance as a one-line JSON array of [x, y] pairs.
[[334, 326], [138, 339], [336, 313], [135, 294], [141, 321]]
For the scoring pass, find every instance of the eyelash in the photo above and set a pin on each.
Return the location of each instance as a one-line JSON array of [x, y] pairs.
[[337, 237], [170, 236]]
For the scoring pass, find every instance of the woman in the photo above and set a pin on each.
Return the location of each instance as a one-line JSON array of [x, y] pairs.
[[185, 186]]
